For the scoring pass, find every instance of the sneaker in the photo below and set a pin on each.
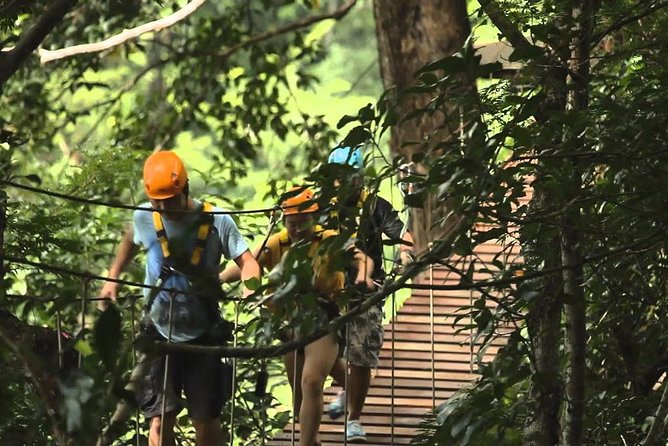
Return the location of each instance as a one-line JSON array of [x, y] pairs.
[[354, 431], [336, 407]]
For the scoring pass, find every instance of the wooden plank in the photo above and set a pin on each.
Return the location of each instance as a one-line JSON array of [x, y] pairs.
[[337, 440], [444, 391], [425, 347], [417, 375], [425, 364], [327, 428], [375, 409], [440, 338]]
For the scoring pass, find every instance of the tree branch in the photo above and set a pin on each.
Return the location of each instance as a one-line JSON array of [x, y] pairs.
[[11, 8], [655, 435], [336, 15], [47, 56], [10, 61], [156, 25], [507, 28], [38, 377], [109, 103], [625, 21]]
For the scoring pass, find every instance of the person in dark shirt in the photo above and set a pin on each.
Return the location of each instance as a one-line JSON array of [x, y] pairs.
[[368, 217]]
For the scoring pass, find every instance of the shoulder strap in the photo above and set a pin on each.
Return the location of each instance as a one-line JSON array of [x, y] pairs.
[[202, 234], [161, 234]]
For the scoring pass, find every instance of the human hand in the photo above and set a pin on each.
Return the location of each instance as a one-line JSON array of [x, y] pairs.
[[365, 281], [108, 294], [406, 257]]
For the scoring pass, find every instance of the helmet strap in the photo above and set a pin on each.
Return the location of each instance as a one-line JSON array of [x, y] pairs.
[[186, 190]]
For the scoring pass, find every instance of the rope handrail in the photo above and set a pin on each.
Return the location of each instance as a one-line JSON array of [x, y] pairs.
[[266, 351], [131, 297], [90, 276], [108, 204]]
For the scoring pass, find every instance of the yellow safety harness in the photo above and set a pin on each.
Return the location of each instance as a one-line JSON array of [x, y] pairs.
[[171, 266], [202, 234]]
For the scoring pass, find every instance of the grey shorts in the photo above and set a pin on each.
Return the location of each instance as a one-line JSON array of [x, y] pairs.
[[365, 338], [203, 378]]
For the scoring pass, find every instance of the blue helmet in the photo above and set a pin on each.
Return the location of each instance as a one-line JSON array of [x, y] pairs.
[[347, 155]]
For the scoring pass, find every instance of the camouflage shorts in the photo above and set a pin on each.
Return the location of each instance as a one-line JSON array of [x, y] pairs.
[[365, 338]]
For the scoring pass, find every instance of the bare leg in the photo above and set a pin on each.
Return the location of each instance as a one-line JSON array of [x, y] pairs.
[[289, 362], [154, 430], [319, 358], [208, 432], [358, 383], [338, 372]]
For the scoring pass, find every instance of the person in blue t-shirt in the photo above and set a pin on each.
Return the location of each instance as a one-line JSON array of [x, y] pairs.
[[184, 244]]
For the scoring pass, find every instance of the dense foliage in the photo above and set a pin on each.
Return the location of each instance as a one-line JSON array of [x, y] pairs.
[[596, 171], [565, 158], [217, 88]]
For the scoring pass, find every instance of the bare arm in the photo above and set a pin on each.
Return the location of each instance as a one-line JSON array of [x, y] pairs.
[[125, 252], [232, 272], [406, 253], [249, 268], [364, 266]]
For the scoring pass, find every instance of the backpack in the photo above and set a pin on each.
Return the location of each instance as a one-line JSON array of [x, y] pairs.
[[184, 285]]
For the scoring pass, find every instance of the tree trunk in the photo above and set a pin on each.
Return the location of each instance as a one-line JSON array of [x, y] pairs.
[[5, 163], [571, 255], [543, 251], [412, 33], [655, 435], [576, 336], [544, 327], [3, 225]]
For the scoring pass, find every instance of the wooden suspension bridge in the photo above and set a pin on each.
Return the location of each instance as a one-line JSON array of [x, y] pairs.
[[428, 355]]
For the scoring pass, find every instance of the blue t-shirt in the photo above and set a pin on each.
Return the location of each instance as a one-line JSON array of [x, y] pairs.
[[191, 315]]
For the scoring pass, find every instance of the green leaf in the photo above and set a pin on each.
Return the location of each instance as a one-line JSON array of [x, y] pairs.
[[418, 157], [450, 64], [34, 178], [428, 78], [414, 200], [460, 425], [489, 69], [345, 119], [529, 295], [107, 335], [357, 136], [83, 347], [253, 283], [526, 53], [366, 114]]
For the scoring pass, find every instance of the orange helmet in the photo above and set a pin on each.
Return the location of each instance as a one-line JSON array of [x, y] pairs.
[[164, 175], [294, 204]]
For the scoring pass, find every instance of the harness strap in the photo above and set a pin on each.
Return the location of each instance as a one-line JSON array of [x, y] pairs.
[[161, 234], [202, 234]]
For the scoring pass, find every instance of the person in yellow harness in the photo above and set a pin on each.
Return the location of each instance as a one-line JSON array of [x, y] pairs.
[[184, 244], [302, 237]]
